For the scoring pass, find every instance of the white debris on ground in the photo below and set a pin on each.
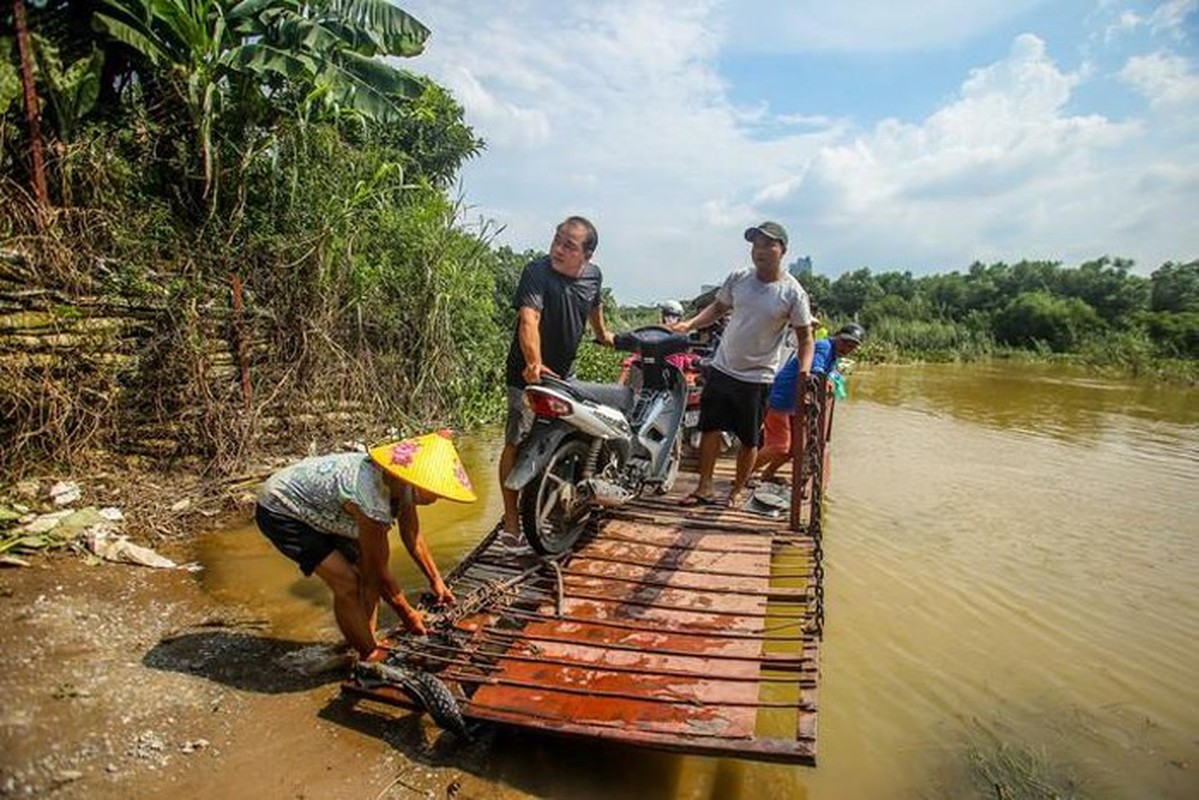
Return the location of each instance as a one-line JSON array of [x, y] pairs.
[[99, 530]]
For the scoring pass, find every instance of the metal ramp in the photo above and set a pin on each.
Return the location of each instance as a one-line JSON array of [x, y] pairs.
[[687, 629]]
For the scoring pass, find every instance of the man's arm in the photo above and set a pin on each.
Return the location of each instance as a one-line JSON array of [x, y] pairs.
[[708, 315], [528, 335], [414, 543], [805, 348], [602, 334]]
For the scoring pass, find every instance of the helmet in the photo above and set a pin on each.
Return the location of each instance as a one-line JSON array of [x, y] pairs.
[[671, 308], [852, 332]]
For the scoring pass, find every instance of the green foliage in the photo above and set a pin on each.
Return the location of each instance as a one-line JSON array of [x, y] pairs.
[[1174, 335], [851, 292], [71, 90], [1038, 317], [925, 338], [598, 364], [1099, 311], [235, 69], [1175, 287]]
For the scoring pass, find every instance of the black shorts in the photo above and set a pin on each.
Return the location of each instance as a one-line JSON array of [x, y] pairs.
[[736, 406], [301, 542]]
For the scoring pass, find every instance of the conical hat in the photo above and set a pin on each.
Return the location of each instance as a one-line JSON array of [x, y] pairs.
[[428, 462]]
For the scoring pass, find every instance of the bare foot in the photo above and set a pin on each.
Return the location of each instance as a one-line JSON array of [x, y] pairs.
[[734, 500]]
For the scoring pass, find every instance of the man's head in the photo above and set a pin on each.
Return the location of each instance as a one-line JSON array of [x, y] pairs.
[[672, 312], [847, 339], [574, 242], [769, 241]]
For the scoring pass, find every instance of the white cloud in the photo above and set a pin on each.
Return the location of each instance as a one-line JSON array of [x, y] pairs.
[[1168, 20], [617, 110], [1003, 172], [1170, 17], [1165, 79]]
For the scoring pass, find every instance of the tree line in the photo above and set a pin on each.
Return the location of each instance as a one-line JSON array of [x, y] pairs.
[[1100, 309]]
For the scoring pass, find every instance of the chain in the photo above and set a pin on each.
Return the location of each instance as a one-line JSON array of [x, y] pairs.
[[818, 403]]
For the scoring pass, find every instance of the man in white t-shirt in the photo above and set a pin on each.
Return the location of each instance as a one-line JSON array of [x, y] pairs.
[[764, 302]]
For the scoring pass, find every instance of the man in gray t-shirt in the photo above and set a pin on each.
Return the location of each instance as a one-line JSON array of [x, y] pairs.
[[764, 302]]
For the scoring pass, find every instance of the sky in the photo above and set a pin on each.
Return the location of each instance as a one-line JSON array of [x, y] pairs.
[[914, 137]]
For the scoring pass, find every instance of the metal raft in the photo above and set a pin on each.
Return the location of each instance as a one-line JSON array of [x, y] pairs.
[[688, 629]]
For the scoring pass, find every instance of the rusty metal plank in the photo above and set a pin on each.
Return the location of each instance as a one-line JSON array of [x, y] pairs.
[[698, 698]]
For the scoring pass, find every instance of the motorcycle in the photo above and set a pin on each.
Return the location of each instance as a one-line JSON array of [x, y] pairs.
[[697, 371], [599, 445]]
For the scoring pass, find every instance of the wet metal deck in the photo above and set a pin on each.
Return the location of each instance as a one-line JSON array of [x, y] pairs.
[[686, 629]]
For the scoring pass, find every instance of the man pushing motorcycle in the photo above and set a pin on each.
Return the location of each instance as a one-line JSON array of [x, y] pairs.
[[556, 297], [764, 301]]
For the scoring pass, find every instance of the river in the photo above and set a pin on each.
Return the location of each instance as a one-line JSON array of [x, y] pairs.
[[1012, 599]]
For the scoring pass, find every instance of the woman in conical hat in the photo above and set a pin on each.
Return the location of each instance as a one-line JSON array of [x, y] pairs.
[[331, 515]]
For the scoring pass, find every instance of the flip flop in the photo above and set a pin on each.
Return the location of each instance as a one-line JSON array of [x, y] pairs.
[[694, 499]]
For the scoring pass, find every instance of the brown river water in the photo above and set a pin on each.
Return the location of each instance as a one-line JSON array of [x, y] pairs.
[[1012, 599]]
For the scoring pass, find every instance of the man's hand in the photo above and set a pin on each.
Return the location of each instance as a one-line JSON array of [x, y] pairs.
[[533, 372], [682, 326], [607, 339]]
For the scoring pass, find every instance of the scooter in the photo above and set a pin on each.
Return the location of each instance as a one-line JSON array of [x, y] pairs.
[[599, 445]]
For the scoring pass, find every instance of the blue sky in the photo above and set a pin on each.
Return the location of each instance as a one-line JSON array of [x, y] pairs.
[[895, 136]]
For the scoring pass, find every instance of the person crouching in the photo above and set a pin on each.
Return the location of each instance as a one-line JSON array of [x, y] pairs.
[[331, 515]]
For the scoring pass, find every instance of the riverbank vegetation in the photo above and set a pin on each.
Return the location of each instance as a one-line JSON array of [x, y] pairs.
[[259, 180], [1099, 314], [235, 225]]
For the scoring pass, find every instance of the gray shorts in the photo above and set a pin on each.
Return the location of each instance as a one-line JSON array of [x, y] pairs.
[[520, 417]]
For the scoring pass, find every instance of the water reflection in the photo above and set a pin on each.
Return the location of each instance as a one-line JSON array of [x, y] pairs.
[[242, 567], [1012, 595]]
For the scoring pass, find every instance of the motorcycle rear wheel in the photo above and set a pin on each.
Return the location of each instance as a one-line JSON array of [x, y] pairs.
[[551, 511]]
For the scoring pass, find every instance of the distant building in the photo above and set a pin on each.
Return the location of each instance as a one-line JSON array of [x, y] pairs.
[[800, 267]]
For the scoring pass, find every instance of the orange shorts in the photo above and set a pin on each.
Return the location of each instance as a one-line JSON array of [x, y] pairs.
[[778, 433]]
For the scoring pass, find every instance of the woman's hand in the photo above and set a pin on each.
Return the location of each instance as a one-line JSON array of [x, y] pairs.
[[413, 620], [442, 593]]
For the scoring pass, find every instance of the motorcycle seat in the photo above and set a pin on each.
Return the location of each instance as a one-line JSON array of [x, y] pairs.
[[609, 394]]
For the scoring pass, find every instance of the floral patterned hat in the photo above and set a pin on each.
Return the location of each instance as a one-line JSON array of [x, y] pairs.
[[428, 462]]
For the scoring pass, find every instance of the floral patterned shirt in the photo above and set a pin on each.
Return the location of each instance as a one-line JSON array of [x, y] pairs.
[[316, 489]]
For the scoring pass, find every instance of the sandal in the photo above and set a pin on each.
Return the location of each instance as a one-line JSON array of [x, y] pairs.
[[694, 499]]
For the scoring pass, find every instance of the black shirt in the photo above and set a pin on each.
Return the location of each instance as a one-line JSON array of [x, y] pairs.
[[564, 303]]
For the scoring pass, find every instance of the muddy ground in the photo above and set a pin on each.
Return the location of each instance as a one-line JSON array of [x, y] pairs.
[[123, 681]]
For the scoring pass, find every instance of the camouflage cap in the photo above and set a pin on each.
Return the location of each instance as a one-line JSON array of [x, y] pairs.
[[771, 229]]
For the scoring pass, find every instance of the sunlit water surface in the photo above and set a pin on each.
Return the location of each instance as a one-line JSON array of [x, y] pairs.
[[1012, 598]]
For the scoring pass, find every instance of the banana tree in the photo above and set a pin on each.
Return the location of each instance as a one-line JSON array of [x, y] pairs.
[[327, 52], [333, 49], [185, 40]]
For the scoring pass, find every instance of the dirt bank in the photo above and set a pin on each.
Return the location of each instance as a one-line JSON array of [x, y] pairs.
[[125, 681]]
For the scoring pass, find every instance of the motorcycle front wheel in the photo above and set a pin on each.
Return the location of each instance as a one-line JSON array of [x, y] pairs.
[[672, 468], [553, 511]]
